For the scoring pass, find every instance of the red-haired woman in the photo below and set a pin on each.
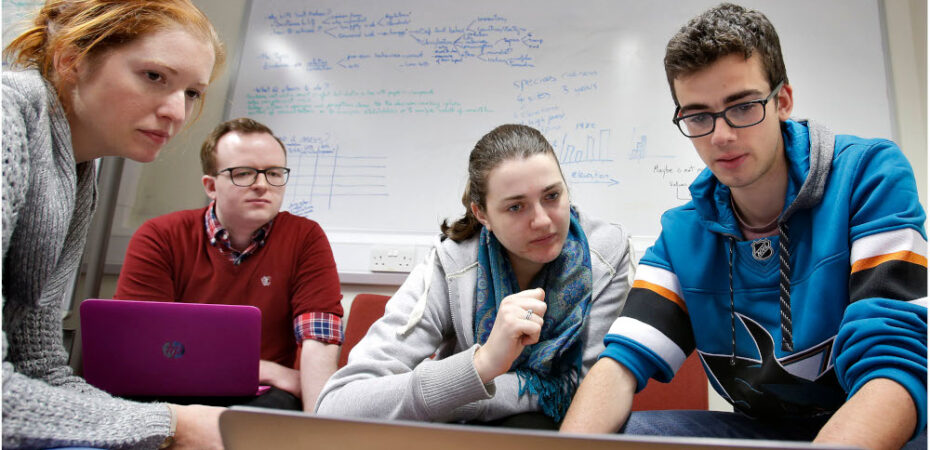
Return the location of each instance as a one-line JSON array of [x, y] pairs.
[[92, 78]]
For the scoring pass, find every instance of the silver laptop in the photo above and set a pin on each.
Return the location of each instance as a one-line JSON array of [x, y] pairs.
[[254, 428]]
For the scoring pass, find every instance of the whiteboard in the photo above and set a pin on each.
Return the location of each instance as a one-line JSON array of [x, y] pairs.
[[380, 103]]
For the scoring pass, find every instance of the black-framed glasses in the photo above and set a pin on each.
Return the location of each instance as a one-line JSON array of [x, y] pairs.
[[741, 115], [246, 176]]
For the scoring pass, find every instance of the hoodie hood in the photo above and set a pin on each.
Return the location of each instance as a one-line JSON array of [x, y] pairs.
[[809, 150]]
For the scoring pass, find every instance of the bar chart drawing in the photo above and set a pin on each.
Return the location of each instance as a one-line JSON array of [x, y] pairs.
[[592, 148]]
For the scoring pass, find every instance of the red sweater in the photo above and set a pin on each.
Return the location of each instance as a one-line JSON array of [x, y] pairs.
[[170, 258]]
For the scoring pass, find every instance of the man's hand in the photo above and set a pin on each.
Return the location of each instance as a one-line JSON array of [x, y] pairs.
[[603, 401], [880, 415], [283, 378], [512, 331]]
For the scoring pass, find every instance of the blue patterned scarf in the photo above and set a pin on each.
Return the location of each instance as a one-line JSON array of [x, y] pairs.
[[550, 368]]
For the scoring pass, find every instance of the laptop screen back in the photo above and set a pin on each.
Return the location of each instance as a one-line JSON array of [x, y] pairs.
[[249, 428], [140, 348]]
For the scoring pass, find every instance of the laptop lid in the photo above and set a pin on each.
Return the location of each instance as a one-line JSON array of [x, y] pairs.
[[141, 348], [250, 428]]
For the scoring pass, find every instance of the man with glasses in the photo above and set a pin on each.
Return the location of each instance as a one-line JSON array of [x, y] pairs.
[[797, 271], [241, 250]]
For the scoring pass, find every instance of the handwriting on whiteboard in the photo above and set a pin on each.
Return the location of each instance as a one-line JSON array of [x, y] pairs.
[[321, 174], [487, 39], [308, 99]]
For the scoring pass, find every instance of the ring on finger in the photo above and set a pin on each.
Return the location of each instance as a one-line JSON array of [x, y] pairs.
[[529, 314]]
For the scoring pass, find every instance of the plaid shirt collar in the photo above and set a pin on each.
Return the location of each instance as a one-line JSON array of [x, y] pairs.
[[219, 237]]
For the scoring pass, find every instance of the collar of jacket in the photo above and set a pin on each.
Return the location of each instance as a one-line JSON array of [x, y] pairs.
[[809, 148]]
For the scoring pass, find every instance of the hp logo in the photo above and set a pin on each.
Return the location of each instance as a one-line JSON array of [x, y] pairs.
[[172, 350]]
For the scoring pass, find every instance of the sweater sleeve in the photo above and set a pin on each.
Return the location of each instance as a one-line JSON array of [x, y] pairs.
[[653, 335], [60, 409], [391, 376], [884, 330], [316, 291], [44, 405], [147, 269], [16, 116]]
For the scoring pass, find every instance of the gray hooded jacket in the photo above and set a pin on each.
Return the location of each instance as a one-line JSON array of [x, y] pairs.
[[390, 374]]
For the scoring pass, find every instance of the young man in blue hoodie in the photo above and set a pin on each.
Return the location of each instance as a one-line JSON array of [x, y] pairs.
[[797, 271]]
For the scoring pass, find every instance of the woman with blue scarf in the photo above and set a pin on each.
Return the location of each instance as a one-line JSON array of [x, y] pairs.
[[507, 313]]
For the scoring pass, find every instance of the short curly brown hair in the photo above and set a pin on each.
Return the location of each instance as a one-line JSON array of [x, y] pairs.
[[721, 31], [242, 125]]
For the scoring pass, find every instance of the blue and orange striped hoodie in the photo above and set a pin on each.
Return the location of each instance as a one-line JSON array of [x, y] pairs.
[[854, 270]]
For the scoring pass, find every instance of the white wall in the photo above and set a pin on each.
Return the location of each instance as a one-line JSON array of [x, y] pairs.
[[906, 32]]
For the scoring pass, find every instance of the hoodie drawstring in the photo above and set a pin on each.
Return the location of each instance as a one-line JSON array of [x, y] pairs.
[[732, 242], [787, 340], [784, 286]]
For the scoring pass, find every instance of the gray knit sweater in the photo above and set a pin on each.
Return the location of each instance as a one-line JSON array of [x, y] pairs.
[[48, 201]]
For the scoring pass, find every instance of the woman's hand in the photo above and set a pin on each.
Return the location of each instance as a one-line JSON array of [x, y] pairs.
[[514, 328], [198, 427]]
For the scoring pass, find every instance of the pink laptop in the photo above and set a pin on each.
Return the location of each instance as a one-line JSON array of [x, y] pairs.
[[139, 348]]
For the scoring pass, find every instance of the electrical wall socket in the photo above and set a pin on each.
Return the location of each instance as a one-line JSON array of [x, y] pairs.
[[392, 259]]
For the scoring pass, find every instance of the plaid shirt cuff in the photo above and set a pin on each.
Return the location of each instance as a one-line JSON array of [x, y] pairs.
[[319, 326]]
